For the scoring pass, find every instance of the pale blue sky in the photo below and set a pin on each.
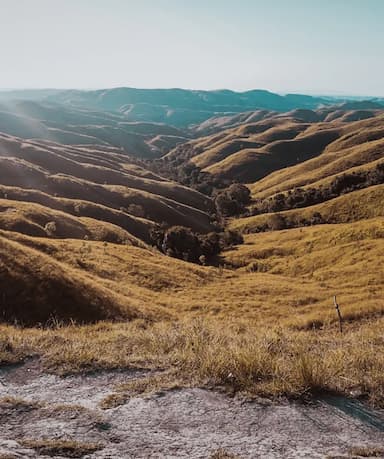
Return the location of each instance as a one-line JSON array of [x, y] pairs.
[[309, 46]]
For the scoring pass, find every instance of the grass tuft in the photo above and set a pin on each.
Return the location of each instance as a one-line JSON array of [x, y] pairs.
[[366, 451], [223, 454], [16, 403], [66, 448]]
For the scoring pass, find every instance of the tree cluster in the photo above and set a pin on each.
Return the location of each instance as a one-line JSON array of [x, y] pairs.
[[181, 170], [233, 200], [277, 222], [181, 242], [299, 197]]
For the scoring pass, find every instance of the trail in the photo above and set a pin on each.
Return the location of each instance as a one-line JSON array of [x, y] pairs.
[[184, 423]]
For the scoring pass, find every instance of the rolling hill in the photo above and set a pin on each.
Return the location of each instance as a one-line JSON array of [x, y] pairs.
[[83, 199], [177, 107], [249, 151], [89, 191], [182, 107], [68, 125]]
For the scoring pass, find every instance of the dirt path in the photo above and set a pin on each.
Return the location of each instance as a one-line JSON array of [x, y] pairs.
[[187, 423]]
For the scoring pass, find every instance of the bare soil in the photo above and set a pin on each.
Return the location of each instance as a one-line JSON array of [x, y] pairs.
[[183, 423]]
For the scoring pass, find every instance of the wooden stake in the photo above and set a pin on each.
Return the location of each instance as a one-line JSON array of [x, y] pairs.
[[338, 314]]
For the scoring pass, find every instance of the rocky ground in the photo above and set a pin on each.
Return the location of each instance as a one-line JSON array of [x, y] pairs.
[[46, 415]]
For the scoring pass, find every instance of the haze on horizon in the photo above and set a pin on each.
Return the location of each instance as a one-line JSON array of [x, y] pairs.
[[330, 47]]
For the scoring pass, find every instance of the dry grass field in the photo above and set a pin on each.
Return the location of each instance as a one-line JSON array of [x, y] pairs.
[[263, 325], [355, 206], [83, 290], [309, 145]]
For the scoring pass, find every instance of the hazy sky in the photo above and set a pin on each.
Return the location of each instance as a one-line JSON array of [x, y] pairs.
[[312, 46]]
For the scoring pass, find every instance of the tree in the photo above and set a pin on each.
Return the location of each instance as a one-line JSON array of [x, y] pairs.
[[226, 206], [182, 243], [232, 201], [239, 193]]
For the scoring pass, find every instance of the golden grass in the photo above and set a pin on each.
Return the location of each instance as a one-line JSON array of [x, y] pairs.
[[297, 273], [366, 451], [15, 403], [351, 207], [222, 453], [239, 356], [336, 159], [321, 182], [272, 333], [66, 448]]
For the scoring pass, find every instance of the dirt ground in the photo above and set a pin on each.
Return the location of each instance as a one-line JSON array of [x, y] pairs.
[[183, 423]]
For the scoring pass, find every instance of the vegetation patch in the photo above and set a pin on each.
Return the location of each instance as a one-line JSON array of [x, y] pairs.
[[142, 387], [304, 197], [19, 404], [222, 453], [366, 451], [66, 448]]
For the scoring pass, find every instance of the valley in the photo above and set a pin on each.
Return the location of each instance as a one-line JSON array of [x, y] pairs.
[[192, 243]]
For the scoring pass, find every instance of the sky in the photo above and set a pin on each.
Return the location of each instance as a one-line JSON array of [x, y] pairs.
[[331, 47]]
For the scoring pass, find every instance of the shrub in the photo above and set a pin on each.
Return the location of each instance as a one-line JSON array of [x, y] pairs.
[[181, 242], [277, 222], [230, 238], [232, 201]]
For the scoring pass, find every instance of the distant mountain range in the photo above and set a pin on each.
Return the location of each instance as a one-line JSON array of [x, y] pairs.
[[177, 107]]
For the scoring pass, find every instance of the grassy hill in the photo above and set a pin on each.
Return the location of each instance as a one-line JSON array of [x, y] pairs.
[[248, 152], [339, 259], [70, 125], [77, 266], [360, 144], [180, 107], [354, 206], [76, 187]]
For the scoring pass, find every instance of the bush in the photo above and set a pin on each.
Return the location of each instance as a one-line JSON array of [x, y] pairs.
[[181, 242], [230, 238], [233, 200], [277, 222]]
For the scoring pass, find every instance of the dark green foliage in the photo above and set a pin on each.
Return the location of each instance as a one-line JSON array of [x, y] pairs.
[[180, 242], [180, 169], [240, 193], [233, 200]]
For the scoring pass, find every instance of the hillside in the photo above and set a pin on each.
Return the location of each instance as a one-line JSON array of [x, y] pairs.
[[57, 279], [89, 191], [351, 207], [249, 151], [177, 107], [111, 282], [182, 107], [40, 119], [88, 249]]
